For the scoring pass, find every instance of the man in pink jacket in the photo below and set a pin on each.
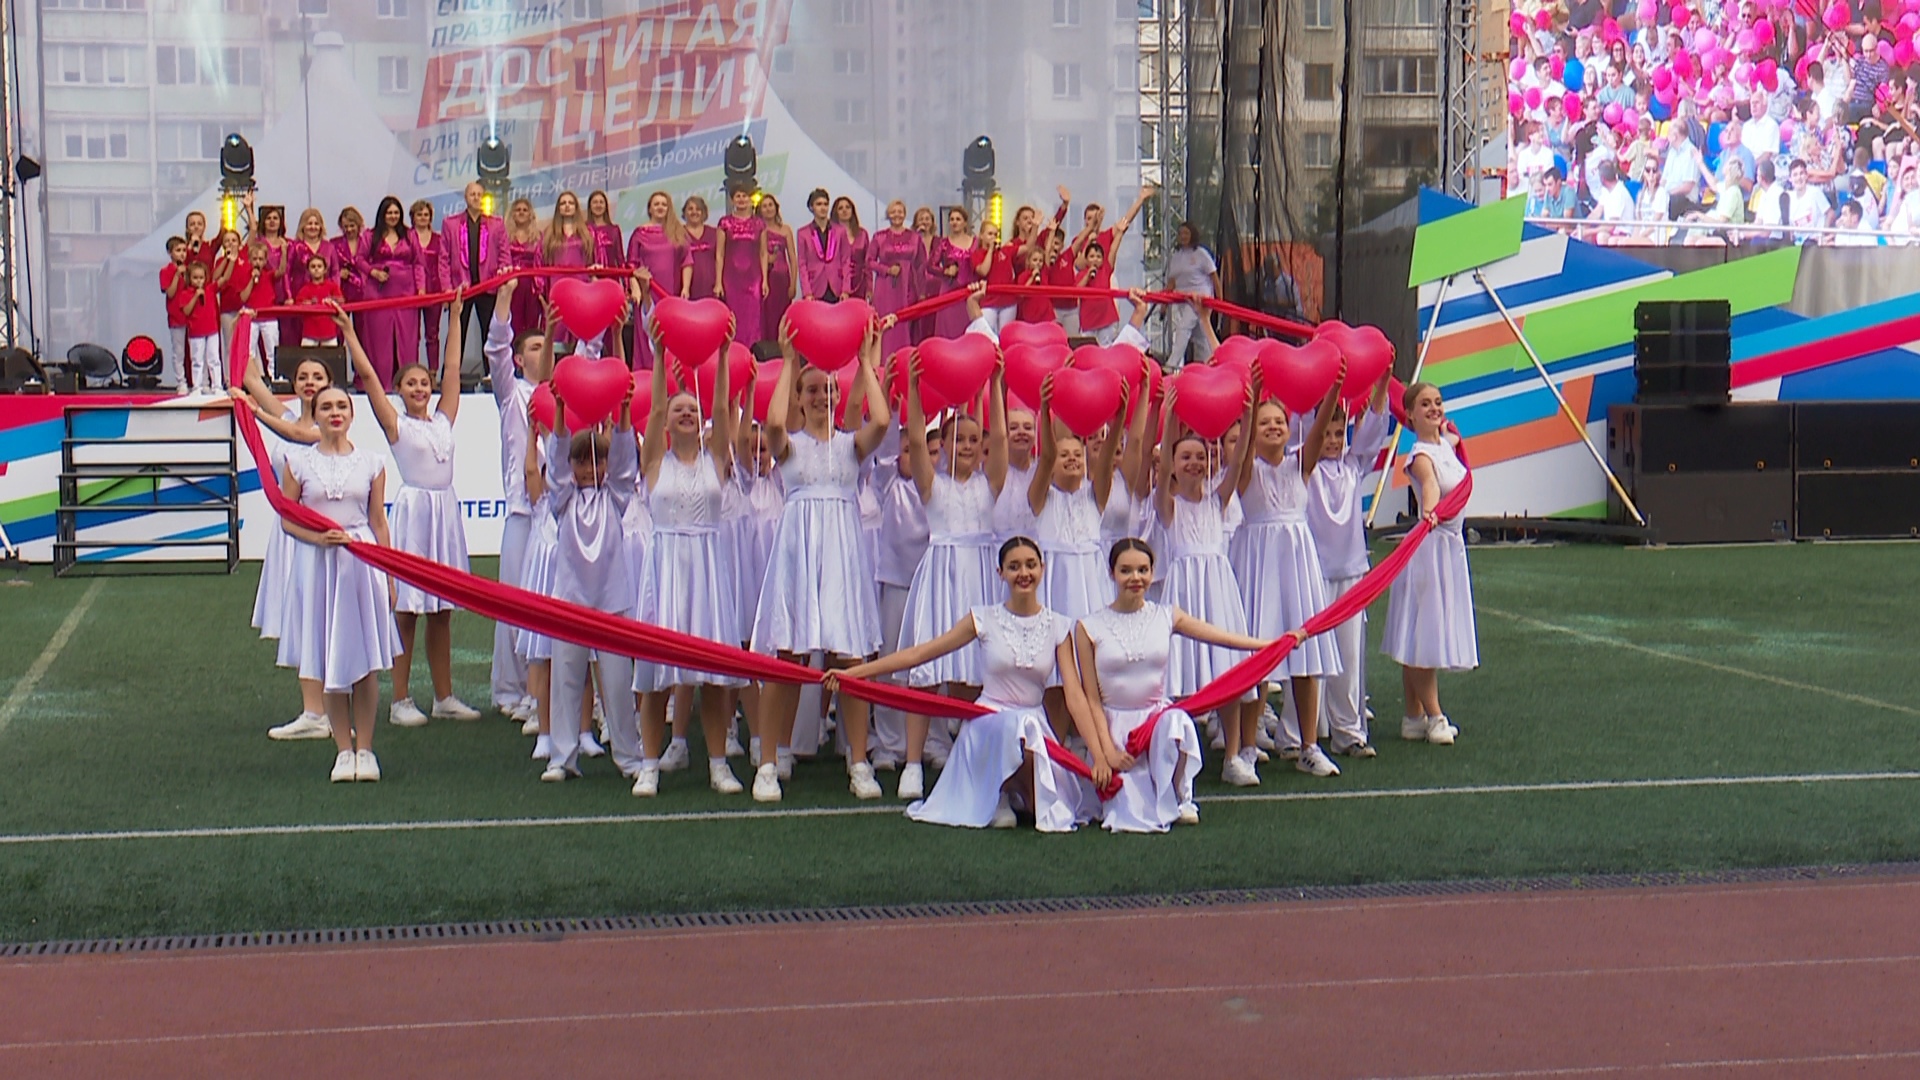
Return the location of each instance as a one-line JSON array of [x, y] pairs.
[[473, 248], [826, 254]]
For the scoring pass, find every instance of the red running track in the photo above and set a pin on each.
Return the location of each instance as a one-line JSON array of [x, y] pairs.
[[1787, 980]]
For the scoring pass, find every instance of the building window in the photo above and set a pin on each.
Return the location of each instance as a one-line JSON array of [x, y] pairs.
[[96, 142], [1317, 149], [783, 60], [100, 65], [185, 65], [1136, 9], [189, 140], [853, 161], [1403, 12], [849, 62], [1319, 82], [1388, 147], [1126, 140], [1066, 81], [850, 12], [1149, 68], [391, 9], [115, 215], [1066, 152], [1319, 14], [394, 76], [1126, 68], [1149, 136], [1401, 75], [314, 7], [1245, 79], [1066, 13], [93, 5], [71, 290], [850, 111], [1252, 15]]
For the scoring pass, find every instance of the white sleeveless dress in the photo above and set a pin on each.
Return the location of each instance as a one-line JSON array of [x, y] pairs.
[[1012, 513], [536, 575], [1430, 605], [1278, 566], [753, 524], [426, 512], [1076, 581], [269, 597], [685, 586], [819, 593], [1018, 663], [1199, 581], [336, 625], [958, 575], [1130, 655]]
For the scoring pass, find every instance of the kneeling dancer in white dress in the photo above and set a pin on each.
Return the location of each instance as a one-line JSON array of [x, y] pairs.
[[336, 627], [1123, 666], [1000, 760], [684, 586]]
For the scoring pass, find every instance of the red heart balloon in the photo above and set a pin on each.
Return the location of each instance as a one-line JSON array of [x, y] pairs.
[[1238, 351], [956, 368], [739, 366], [592, 389], [828, 336], [1369, 355], [1085, 399], [1032, 333], [844, 380], [1298, 377], [932, 399], [692, 329], [1029, 365], [643, 398], [543, 406], [587, 307], [766, 375], [1123, 360], [1210, 398], [1396, 401]]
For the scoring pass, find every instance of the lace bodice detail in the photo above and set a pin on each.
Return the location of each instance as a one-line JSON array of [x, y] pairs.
[[1130, 654], [960, 509], [686, 496], [1019, 653], [811, 463]]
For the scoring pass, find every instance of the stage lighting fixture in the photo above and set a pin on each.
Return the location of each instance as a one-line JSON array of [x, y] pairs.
[[976, 166], [25, 169], [494, 164], [742, 165], [140, 361], [236, 179], [995, 206]]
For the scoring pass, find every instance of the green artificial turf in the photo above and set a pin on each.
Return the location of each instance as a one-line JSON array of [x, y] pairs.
[[153, 717]]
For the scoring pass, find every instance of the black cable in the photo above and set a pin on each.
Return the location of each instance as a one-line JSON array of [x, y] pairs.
[[1340, 168], [13, 186]]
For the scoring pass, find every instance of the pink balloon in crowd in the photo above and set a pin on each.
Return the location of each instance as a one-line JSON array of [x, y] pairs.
[[1763, 33], [1666, 97], [1885, 52], [1910, 22], [1743, 73], [1683, 64], [1543, 19], [1612, 114], [1519, 68], [1572, 103], [1743, 42], [1610, 31], [1769, 80], [1787, 128], [1903, 53], [1722, 59], [1662, 78], [1648, 13], [1681, 17], [1533, 97], [1703, 40], [1557, 65], [1515, 103], [1517, 23], [1836, 15]]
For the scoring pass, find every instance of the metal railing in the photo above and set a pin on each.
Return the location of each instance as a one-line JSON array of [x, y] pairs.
[[1622, 232]]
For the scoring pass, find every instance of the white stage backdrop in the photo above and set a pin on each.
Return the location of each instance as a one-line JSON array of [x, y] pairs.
[[344, 101]]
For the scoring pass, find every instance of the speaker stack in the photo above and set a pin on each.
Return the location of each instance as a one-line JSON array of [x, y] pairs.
[[1683, 352], [1857, 470], [1705, 476]]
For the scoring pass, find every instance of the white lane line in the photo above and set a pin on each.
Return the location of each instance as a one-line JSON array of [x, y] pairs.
[[961, 1000], [1670, 1066], [1682, 658], [23, 689], [466, 824]]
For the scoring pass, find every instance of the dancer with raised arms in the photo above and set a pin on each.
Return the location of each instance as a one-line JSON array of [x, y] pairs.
[[516, 363]]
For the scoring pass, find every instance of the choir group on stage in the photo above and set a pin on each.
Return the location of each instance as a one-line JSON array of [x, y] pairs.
[[1071, 587]]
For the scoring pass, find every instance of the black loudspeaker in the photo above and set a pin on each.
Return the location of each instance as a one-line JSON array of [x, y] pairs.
[[1683, 316], [1666, 439], [1857, 435], [287, 359], [1713, 508], [1858, 505], [1682, 384], [1714, 350], [1683, 352]]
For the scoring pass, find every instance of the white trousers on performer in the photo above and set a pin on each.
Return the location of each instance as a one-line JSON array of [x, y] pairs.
[[889, 737], [265, 345], [615, 680], [209, 374], [1186, 323], [1343, 716], [509, 669], [1107, 335], [173, 367], [1000, 317]]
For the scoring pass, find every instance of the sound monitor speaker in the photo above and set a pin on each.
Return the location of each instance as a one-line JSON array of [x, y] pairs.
[[1753, 437], [1856, 435], [1682, 384], [1702, 349], [1857, 505], [1713, 508], [1683, 316], [287, 360]]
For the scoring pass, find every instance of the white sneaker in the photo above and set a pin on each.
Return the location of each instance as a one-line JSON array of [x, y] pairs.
[[1189, 814], [1359, 750], [405, 713], [543, 748], [530, 726], [675, 758], [753, 748], [1238, 773], [452, 708], [554, 774], [721, 779], [366, 767], [861, 782], [733, 746], [1314, 761], [766, 784], [305, 726], [1413, 728], [785, 759], [590, 747], [913, 781], [343, 772], [1440, 732], [1262, 738], [1003, 817], [647, 784], [1216, 737], [516, 711], [1289, 753], [884, 761]]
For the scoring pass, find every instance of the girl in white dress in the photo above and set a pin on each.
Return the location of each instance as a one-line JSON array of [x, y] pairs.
[[1122, 651], [337, 626], [753, 532], [1001, 759], [536, 576], [1279, 572], [426, 512], [294, 428], [1191, 509], [1430, 605], [819, 593], [685, 585], [959, 572]]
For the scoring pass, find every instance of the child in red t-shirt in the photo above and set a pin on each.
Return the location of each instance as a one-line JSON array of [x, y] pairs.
[[173, 286], [1099, 316], [1034, 309], [318, 329], [202, 309], [254, 285]]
